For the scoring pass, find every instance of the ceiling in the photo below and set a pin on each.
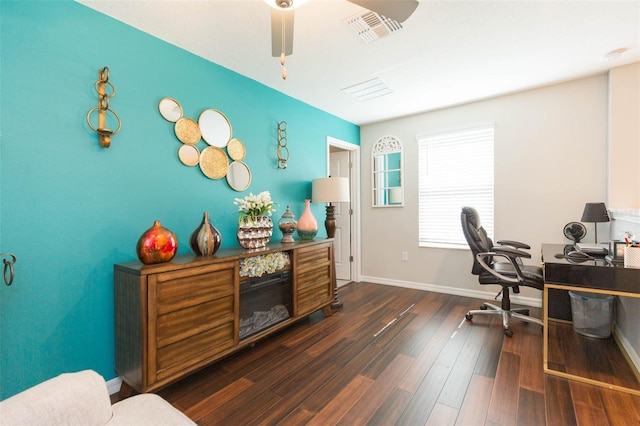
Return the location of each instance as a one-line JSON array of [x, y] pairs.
[[447, 53]]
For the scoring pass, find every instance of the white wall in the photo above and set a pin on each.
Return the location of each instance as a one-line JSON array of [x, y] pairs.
[[550, 159], [624, 138]]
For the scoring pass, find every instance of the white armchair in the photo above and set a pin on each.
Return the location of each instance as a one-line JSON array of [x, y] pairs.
[[82, 398]]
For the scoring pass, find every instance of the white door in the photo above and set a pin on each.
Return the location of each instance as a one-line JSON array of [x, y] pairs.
[[339, 166]]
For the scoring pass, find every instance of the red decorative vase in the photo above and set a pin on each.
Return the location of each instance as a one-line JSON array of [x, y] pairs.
[[307, 224], [206, 239], [157, 245]]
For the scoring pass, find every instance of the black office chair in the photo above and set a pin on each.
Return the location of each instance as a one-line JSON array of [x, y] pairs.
[[510, 275]]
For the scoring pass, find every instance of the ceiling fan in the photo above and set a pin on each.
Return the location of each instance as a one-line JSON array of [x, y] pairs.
[[282, 13]]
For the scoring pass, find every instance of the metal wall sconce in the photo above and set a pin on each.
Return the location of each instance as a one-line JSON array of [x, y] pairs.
[[283, 151], [105, 91]]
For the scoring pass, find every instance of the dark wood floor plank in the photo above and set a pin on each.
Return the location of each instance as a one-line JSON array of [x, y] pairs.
[[504, 397], [487, 364], [442, 415], [476, 401], [558, 403], [622, 408], [390, 349], [367, 405], [458, 381], [391, 408], [531, 362], [422, 364], [531, 411], [335, 409], [426, 396], [590, 415], [297, 417], [204, 406]]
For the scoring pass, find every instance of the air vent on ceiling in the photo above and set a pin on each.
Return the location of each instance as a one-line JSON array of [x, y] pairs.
[[368, 90], [370, 26]]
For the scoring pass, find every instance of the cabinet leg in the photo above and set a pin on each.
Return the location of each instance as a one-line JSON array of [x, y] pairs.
[[336, 301]]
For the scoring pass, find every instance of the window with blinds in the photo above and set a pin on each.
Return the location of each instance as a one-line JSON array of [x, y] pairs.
[[455, 170]]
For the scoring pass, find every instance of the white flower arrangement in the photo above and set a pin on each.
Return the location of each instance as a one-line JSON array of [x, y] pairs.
[[255, 205], [257, 266]]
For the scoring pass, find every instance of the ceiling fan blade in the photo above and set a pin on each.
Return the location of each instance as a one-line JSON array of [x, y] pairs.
[[398, 10], [276, 32]]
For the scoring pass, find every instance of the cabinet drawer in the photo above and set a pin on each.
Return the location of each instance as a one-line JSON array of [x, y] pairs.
[[314, 296], [179, 325], [181, 289], [185, 353], [311, 277], [311, 257]]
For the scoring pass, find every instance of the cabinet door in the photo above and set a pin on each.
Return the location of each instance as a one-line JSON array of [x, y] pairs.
[[193, 315], [314, 278]]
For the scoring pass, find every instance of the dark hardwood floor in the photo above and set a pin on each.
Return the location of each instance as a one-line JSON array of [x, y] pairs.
[[428, 366]]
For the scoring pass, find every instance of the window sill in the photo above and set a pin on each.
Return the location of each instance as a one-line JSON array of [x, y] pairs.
[[443, 246]]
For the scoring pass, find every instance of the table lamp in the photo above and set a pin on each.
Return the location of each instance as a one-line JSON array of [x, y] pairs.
[[330, 190], [595, 212]]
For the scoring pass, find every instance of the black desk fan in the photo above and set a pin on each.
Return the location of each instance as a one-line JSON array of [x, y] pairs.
[[575, 231]]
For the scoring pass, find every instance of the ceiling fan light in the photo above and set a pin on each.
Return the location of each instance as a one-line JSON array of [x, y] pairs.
[[285, 4]]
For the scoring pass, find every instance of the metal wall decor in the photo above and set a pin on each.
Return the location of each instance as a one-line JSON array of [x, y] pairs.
[[215, 129], [283, 151], [105, 90]]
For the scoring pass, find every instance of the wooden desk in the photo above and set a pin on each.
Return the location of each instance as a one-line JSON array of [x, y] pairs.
[[591, 277]]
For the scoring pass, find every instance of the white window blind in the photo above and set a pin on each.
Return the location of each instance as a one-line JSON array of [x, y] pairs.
[[455, 170]]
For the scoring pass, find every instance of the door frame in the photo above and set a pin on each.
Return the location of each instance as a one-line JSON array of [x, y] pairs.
[[354, 183]]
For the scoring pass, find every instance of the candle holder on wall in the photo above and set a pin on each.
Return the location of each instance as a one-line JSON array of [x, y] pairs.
[[283, 151], [105, 90]]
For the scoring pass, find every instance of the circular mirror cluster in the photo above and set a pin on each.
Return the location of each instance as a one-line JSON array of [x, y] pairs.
[[215, 129]]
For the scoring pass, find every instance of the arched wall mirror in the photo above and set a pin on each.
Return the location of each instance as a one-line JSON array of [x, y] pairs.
[[387, 162]]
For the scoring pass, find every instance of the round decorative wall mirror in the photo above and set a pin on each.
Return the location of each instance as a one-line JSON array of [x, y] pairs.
[[170, 109], [215, 128], [238, 176], [189, 155]]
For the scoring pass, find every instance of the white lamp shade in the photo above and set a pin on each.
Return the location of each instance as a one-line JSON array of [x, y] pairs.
[[330, 190]]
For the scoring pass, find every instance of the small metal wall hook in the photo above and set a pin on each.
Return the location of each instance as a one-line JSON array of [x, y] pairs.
[[8, 267]]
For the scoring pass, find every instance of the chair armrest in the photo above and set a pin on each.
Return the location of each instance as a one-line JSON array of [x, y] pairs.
[[480, 257], [514, 244], [511, 252]]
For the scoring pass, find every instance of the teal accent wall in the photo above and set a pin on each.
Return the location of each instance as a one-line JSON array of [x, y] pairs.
[[71, 209]]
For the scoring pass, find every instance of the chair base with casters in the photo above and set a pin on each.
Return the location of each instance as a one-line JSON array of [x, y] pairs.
[[491, 268], [488, 308]]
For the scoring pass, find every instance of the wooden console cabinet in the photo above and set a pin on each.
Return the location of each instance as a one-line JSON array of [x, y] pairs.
[[174, 318]]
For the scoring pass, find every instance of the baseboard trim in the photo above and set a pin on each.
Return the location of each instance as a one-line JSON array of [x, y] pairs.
[[478, 294], [113, 385], [628, 350]]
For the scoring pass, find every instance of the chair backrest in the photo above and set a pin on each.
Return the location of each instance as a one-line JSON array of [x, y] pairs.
[[476, 236]]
